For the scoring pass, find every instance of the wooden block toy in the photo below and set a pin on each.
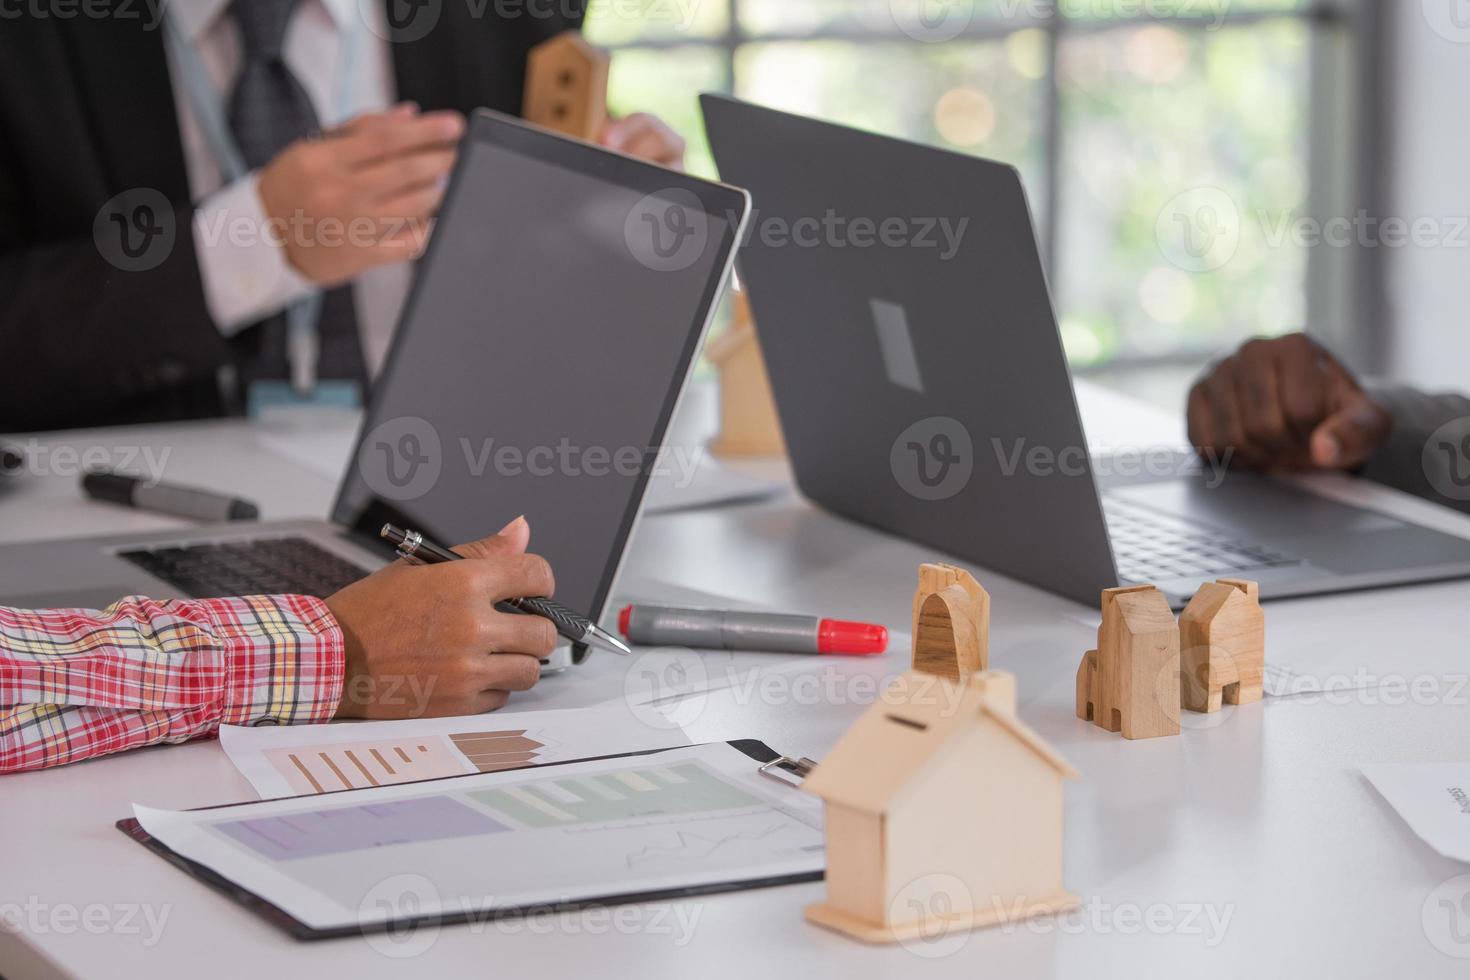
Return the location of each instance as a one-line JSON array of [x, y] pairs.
[[1222, 646], [943, 812], [749, 425], [1129, 683], [951, 623], [566, 86]]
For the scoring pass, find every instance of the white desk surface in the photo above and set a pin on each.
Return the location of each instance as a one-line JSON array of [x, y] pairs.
[[1261, 821]]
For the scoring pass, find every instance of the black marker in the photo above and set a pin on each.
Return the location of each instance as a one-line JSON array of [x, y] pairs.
[[186, 502]]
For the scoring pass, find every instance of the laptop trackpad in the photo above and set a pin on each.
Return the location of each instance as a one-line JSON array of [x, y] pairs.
[[1255, 507], [1333, 536]]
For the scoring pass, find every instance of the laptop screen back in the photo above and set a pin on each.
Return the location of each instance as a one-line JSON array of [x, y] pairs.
[[549, 333]]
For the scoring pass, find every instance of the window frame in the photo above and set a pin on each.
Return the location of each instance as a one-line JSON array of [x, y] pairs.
[[1346, 154]]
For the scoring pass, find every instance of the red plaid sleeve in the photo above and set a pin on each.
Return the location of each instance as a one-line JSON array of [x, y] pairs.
[[78, 683]]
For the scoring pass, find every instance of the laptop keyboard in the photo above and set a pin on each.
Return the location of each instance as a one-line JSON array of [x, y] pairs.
[[1153, 547], [269, 566]]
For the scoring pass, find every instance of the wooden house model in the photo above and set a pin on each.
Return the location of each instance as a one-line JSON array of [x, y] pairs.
[[1222, 646], [566, 86], [749, 425], [1130, 683], [943, 811]]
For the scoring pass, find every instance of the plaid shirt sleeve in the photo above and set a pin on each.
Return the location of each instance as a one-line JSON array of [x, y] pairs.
[[78, 683]]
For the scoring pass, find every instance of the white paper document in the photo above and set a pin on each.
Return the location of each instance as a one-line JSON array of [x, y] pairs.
[[308, 759], [679, 819], [1433, 798]]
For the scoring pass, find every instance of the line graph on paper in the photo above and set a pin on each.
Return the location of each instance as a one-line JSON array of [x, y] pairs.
[[689, 846], [652, 817]]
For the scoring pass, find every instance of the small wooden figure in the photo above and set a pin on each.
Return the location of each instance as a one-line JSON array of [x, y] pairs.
[[943, 811], [951, 625], [749, 425], [566, 86], [1128, 683], [1222, 643]]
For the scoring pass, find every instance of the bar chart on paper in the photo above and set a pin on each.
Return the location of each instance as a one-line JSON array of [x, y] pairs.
[[358, 765], [305, 760]]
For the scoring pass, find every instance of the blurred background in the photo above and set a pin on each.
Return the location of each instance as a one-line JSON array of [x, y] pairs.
[[1200, 171]]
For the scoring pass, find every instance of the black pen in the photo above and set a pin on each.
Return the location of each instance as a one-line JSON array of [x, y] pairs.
[[412, 546]]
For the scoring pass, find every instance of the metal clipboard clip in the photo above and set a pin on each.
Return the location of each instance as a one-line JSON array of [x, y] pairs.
[[787, 770]]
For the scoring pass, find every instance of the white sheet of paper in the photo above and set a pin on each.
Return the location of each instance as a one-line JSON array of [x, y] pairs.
[[674, 487], [1433, 798], [679, 819], [309, 759]]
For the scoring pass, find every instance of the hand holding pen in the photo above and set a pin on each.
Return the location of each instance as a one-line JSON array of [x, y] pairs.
[[429, 642], [412, 546]]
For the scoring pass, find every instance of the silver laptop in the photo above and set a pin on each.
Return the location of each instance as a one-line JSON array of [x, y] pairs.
[[922, 386], [549, 334]]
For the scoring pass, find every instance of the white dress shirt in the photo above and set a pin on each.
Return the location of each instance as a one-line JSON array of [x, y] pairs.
[[246, 276]]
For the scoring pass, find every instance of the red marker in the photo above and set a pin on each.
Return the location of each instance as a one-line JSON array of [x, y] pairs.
[[714, 629]]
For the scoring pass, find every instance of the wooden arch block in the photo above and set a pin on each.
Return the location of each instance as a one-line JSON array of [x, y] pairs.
[[951, 623]]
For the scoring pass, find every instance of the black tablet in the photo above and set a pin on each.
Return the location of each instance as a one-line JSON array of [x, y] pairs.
[[550, 331]]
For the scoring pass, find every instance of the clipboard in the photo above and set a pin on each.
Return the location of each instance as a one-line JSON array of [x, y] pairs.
[[771, 764]]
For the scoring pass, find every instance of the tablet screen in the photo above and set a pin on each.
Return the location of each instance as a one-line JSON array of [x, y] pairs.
[[550, 330]]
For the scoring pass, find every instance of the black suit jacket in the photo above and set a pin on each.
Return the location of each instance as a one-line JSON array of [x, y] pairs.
[[87, 112]]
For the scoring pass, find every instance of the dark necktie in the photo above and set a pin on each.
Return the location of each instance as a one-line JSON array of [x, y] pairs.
[[269, 110]]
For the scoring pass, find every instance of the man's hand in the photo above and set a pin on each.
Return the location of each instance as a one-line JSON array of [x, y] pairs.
[[1285, 404], [427, 640], [646, 137], [363, 195]]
